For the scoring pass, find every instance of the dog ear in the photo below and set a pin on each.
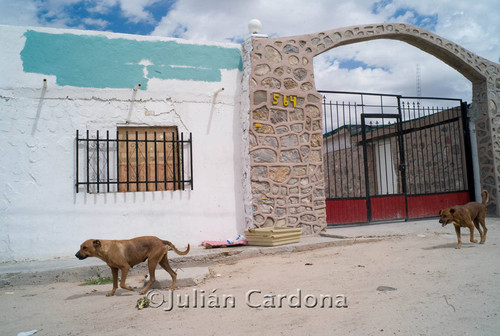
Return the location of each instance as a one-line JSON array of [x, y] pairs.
[[96, 243], [440, 212], [452, 210]]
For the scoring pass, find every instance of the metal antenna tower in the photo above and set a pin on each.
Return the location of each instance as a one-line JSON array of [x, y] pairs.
[[419, 84]]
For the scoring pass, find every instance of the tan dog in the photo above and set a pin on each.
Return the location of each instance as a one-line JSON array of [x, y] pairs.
[[467, 215], [124, 254]]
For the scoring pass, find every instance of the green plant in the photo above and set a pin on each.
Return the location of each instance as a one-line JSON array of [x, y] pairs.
[[98, 281]]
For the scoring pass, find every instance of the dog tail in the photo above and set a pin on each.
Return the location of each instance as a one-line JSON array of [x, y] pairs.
[[172, 246], [485, 200]]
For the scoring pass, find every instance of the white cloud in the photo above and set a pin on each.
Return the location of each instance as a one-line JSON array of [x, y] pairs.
[[96, 23], [390, 64], [220, 20], [134, 9], [19, 12]]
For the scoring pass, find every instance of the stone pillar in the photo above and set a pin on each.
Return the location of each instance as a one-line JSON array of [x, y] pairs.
[[485, 97], [285, 136]]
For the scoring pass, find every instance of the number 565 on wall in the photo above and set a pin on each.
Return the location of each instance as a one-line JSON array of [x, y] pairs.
[[285, 99]]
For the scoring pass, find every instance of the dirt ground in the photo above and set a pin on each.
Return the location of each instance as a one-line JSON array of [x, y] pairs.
[[436, 290]]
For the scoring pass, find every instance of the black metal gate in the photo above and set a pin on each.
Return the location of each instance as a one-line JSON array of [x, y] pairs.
[[389, 157]]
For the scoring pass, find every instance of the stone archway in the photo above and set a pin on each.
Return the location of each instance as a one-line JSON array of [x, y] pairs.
[[285, 181]]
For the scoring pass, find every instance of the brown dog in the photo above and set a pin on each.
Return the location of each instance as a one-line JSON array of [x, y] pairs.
[[124, 254], [467, 215]]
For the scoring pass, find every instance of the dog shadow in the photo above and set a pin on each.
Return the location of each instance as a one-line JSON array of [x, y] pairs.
[[99, 293], [449, 246]]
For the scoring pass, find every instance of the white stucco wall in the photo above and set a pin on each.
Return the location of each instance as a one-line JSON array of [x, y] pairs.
[[41, 215]]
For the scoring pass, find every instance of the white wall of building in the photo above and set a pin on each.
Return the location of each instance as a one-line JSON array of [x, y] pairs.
[[41, 215]]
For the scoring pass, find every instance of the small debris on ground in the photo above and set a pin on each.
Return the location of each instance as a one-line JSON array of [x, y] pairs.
[[386, 288], [142, 303]]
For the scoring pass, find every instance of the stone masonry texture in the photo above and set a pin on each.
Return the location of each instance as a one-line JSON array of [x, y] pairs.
[[285, 129]]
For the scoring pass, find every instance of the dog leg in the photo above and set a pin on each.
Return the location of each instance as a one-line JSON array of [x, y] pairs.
[[166, 266], [457, 231], [481, 234], [483, 224], [471, 229], [114, 271], [124, 277], [152, 262]]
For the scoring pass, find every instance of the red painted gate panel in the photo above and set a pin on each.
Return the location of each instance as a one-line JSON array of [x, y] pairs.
[[391, 207], [346, 211], [429, 205], [388, 207]]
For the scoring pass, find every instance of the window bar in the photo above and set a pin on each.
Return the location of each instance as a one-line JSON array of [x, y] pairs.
[[442, 141], [182, 160], [401, 156], [440, 145], [437, 171], [379, 172], [418, 140], [451, 133], [423, 145], [327, 151], [345, 150], [340, 155], [334, 168], [77, 163], [395, 158], [117, 163], [348, 129], [396, 172], [430, 114], [137, 160], [397, 183], [156, 164], [429, 151], [164, 161], [146, 155], [384, 138], [421, 168], [456, 142], [341, 150], [107, 158], [191, 158], [88, 164], [97, 155], [174, 166], [367, 183], [412, 147], [128, 162], [357, 149]]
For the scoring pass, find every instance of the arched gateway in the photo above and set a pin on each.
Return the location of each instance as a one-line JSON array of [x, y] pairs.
[[285, 181]]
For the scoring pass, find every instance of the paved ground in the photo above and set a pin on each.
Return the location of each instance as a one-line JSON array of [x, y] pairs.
[[407, 280]]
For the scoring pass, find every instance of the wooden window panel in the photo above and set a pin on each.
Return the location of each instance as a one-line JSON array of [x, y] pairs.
[[137, 152]]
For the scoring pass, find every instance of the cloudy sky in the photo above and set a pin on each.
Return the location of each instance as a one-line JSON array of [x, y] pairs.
[[376, 66]]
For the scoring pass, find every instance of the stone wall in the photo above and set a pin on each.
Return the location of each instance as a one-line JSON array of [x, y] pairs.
[[285, 140], [286, 137]]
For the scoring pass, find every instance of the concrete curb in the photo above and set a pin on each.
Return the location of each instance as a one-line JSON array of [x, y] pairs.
[[64, 270]]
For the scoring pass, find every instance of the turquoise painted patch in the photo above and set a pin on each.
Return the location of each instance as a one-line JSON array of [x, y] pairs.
[[100, 62]]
